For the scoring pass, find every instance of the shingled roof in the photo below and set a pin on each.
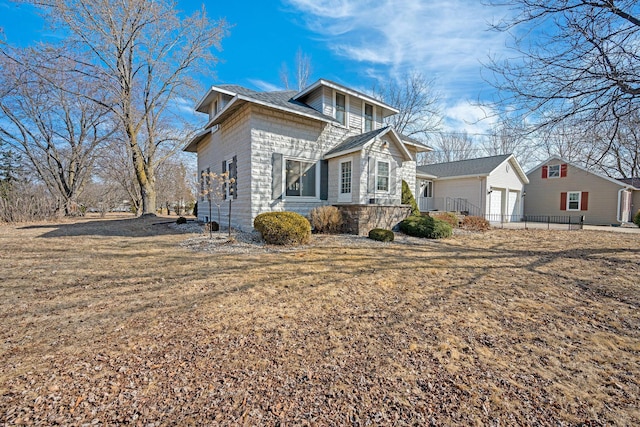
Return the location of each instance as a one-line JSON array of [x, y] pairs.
[[481, 167], [281, 100], [356, 142]]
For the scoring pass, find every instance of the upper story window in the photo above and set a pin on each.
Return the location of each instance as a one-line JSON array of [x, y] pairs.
[[341, 109], [368, 117], [554, 171]]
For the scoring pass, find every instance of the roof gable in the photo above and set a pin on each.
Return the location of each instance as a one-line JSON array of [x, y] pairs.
[[360, 142], [482, 166], [560, 159], [387, 110]]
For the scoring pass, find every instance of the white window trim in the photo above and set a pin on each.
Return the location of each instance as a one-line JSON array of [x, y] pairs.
[[346, 108], [549, 171], [388, 190], [364, 116], [344, 197], [284, 179], [579, 193]]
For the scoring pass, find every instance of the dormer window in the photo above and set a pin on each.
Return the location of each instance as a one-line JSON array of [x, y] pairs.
[[341, 109], [368, 117]]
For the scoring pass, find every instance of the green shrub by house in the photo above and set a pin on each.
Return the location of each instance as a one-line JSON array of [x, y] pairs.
[[636, 219], [283, 228], [381, 235], [181, 220], [326, 219], [408, 199], [426, 226]]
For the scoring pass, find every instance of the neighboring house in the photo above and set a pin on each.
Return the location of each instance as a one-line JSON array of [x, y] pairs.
[[293, 151], [559, 188], [492, 187]]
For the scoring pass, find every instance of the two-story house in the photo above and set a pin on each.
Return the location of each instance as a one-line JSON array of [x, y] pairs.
[[293, 151]]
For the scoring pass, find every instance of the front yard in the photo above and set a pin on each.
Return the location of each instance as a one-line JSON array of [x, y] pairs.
[[122, 321]]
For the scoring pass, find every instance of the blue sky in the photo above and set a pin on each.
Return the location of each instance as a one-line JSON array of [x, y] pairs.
[[355, 42]]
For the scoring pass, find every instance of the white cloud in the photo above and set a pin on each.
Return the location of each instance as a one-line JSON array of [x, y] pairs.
[[445, 39], [265, 86], [474, 119]]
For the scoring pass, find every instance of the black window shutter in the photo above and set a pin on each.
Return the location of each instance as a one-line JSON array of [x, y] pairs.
[[276, 176], [233, 173], [224, 184], [324, 180]]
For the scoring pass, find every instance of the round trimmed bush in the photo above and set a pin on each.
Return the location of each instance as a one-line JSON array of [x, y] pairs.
[[181, 220], [283, 228], [426, 226], [381, 235]]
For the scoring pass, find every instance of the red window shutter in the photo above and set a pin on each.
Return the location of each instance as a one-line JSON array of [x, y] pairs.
[[563, 201], [545, 172], [563, 170], [584, 201]]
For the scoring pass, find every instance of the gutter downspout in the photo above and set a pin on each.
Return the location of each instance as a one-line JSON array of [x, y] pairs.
[[619, 214]]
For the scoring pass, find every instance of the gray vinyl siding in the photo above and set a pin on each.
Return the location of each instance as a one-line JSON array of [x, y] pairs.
[[543, 195], [327, 100], [315, 99], [355, 114]]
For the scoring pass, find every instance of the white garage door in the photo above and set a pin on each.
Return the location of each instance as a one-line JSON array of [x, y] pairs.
[[495, 208], [512, 207]]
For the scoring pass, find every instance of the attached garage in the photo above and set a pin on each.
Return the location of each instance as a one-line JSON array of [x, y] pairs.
[[495, 205]]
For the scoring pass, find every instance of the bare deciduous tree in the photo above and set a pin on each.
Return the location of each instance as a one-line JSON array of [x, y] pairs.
[[577, 62], [303, 71], [145, 57], [450, 147], [419, 104], [59, 133]]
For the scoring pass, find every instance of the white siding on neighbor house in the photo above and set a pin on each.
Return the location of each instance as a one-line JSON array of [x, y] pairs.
[[543, 195], [378, 122], [231, 139], [505, 179], [472, 190]]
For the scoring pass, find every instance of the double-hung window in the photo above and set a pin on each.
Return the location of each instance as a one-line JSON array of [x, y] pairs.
[[300, 178], [573, 201], [368, 117], [382, 176], [341, 109], [554, 171]]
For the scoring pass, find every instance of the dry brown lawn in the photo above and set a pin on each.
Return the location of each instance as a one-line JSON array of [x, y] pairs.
[[120, 322]]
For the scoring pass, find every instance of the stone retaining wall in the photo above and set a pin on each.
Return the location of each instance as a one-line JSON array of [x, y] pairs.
[[360, 219]]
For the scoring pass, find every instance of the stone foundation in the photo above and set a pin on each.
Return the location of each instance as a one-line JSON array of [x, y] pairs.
[[360, 219]]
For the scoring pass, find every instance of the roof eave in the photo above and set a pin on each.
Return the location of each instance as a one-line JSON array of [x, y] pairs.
[[202, 103], [351, 92], [192, 145]]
